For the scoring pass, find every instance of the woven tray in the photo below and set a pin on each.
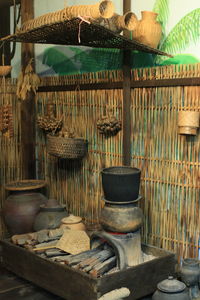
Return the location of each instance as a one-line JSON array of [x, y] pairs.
[[68, 148], [22, 185]]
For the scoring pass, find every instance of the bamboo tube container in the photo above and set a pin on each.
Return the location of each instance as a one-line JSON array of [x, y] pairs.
[[117, 23], [188, 122], [103, 9], [5, 70], [130, 21]]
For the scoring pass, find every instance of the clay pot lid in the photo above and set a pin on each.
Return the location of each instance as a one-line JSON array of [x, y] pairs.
[[52, 204], [171, 285], [71, 219]]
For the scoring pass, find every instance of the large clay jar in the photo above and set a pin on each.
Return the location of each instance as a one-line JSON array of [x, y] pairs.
[[121, 183], [22, 205], [171, 289], [50, 215], [148, 31], [121, 218]]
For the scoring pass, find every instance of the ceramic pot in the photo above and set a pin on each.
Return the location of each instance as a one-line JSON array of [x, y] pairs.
[[121, 183], [190, 273], [171, 289], [121, 218], [22, 205], [50, 215], [73, 222], [148, 31]]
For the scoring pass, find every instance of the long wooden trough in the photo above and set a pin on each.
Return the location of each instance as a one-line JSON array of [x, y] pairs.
[[72, 284]]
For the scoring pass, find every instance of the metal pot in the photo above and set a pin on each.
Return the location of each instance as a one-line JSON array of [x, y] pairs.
[[121, 218], [171, 289], [121, 183]]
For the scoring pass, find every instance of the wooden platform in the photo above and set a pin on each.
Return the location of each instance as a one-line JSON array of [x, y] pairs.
[[75, 285]]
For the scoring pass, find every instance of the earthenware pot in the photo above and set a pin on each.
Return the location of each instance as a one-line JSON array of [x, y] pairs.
[[22, 205], [148, 31], [171, 289], [121, 217], [121, 183], [50, 215], [190, 273]]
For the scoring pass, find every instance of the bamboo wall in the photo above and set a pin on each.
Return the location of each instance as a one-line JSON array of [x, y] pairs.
[[10, 154], [169, 162]]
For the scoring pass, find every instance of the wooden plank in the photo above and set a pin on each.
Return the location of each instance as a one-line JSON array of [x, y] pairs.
[[60, 280], [72, 284], [126, 123], [195, 81], [146, 275], [28, 113]]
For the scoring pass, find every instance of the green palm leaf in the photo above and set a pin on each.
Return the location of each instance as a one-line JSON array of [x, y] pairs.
[[161, 7], [186, 32]]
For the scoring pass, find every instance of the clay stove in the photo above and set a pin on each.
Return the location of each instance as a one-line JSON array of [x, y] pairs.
[[121, 221]]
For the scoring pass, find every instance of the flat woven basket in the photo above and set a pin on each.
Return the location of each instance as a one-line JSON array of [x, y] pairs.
[[68, 148]]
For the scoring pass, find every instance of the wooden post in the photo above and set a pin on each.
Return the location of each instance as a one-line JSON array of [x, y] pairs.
[[126, 97], [4, 31], [28, 115]]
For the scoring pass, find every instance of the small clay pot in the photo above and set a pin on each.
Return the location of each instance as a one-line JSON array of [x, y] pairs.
[[73, 222], [171, 289]]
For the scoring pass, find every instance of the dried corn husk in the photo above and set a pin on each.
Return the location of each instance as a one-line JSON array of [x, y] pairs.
[[27, 82], [109, 125]]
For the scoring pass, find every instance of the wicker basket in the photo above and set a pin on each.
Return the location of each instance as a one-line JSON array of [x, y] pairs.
[[5, 70], [68, 148]]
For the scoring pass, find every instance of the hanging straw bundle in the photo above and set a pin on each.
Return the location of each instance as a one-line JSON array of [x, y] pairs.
[[27, 82]]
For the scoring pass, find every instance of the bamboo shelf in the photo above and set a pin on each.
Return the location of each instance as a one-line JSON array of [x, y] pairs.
[[80, 33]]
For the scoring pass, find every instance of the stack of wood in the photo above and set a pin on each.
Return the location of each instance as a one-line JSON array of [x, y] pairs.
[[96, 262]]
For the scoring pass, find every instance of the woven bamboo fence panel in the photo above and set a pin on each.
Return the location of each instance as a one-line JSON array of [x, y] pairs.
[[10, 158], [78, 183], [170, 163]]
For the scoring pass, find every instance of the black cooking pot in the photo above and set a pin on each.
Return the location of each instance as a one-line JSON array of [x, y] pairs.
[[121, 183]]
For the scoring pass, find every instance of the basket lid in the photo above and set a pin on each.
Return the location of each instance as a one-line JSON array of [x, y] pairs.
[[25, 185]]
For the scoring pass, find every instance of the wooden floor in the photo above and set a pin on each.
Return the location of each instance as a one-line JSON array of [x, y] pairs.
[[15, 288]]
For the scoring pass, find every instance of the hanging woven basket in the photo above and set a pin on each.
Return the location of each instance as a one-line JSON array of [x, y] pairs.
[[5, 70], [67, 148]]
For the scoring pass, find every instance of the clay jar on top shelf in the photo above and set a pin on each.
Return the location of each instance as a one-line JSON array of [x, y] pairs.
[[22, 205], [148, 31], [50, 215], [121, 183]]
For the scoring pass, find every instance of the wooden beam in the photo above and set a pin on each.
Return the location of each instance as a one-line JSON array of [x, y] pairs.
[[190, 81], [126, 96], [28, 114], [4, 31]]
